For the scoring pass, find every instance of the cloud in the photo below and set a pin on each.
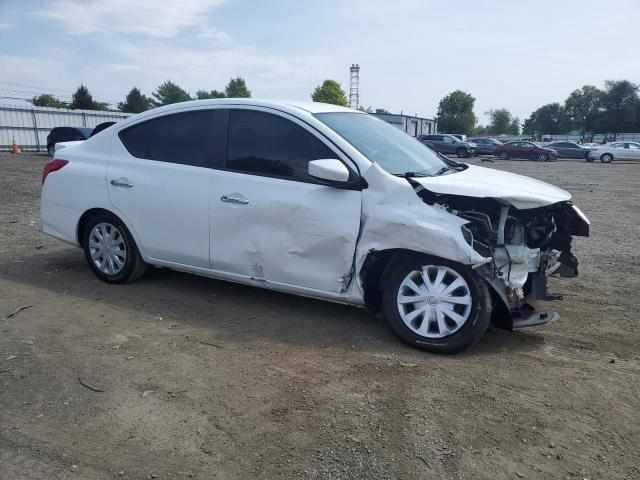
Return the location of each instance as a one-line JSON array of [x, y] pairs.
[[148, 17], [150, 63]]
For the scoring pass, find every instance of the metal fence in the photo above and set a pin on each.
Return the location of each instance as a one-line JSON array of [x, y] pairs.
[[30, 125]]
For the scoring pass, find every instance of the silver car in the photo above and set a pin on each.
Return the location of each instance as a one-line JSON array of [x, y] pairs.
[[615, 151]]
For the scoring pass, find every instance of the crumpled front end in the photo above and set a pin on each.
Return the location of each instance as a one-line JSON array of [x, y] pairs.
[[521, 249]]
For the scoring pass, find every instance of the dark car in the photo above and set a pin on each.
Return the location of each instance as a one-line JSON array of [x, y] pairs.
[[100, 127], [485, 146], [449, 144], [66, 134], [525, 149], [569, 149]]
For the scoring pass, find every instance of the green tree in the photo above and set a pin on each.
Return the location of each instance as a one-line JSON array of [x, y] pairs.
[[551, 118], [135, 102], [581, 107], [501, 121], [47, 100], [237, 88], [618, 104], [204, 95], [330, 92], [169, 93], [455, 113], [82, 100]]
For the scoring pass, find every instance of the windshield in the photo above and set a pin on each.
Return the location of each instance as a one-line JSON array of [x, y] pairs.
[[384, 144]]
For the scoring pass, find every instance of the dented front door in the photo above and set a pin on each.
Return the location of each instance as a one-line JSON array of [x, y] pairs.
[[283, 231], [269, 219]]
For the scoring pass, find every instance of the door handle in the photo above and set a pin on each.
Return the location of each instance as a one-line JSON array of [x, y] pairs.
[[121, 182], [234, 199]]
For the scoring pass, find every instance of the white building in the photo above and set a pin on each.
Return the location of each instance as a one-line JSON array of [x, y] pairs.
[[414, 126]]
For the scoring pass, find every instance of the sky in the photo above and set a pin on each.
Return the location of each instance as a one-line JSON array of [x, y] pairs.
[[513, 54]]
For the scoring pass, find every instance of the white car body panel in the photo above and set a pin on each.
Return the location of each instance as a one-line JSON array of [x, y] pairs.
[[61, 145], [292, 236], [309, 242], [167, 206], [517, 190]]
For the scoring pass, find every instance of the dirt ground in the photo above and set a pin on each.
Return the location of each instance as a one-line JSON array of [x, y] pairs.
[[207, 379]]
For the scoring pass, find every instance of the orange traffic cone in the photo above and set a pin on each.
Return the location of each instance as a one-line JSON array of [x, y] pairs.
[[14, 148]]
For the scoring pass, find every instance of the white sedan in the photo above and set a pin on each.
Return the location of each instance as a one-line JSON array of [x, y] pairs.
[[615, 151], [316, 200]]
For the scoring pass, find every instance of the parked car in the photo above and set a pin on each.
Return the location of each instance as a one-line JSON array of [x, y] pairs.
[[568, 149], [486, 146], [100, 127], [525, 149], [446, 143], [460, 136], [615, 151], [317, 200], [65, 134]]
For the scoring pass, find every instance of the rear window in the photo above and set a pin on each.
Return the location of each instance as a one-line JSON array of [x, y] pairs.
[[136, 139]]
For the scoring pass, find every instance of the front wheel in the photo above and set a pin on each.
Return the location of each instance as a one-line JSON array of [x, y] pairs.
[[110, 249], [51, 150], [606, 158], [503, 156], [436, 305], [543, 157]]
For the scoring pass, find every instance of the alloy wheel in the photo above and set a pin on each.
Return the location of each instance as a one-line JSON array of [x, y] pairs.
[[434, 301]]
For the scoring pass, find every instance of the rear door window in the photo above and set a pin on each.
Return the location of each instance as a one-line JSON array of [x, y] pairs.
[[265, 144], [181, 138], [136, 139], [195, 138]]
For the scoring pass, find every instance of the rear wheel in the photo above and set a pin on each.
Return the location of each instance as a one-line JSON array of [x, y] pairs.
[[503, 156], [51, 150], [436, 305], [110, 249], [462, 152], [606, 158]]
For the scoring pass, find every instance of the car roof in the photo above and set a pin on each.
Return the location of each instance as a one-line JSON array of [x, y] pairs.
[[296, 108]]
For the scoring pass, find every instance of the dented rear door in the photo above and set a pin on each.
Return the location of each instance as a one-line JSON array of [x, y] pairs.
[[271, 221]]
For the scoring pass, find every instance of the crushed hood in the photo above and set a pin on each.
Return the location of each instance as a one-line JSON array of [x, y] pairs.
[[517, 190]]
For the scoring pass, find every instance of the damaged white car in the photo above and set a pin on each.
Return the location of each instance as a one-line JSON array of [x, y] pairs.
[[316, 200]]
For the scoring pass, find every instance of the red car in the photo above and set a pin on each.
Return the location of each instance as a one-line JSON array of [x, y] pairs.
[[525, 149]]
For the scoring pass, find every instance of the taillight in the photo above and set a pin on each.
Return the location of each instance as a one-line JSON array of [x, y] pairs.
[[52, 166]]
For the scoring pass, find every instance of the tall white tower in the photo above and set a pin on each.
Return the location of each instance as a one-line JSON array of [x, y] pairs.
[[354, 86]]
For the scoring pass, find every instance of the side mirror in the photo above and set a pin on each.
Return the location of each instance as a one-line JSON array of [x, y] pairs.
[[329, 171]]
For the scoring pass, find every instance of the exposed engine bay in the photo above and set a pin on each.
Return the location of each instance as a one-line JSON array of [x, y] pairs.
[[521, 247]]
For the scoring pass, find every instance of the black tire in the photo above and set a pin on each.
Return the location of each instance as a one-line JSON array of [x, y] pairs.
[[606, 158], [134, 267], [462, 152], [51, 150], [503, 156], [542, 157], [470, 332]]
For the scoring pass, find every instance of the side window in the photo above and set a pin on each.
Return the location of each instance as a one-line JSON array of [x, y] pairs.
[[265, 144], [182, 138], [633, 146], [136, 139]]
